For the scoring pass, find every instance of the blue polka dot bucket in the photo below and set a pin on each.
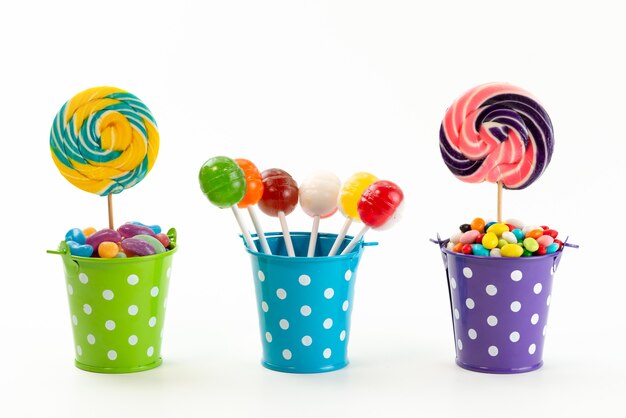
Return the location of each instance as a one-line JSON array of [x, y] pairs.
[[304, 303]]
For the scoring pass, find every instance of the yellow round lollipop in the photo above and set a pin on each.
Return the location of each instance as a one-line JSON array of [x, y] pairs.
[[104, 140], [348, 201]]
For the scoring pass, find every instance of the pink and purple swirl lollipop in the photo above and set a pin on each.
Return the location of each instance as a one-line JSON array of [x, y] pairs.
[[497, 132]]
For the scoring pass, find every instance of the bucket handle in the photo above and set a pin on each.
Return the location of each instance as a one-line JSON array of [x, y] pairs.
[[442, 244], [64, 251], [556, 260], [172, 235]]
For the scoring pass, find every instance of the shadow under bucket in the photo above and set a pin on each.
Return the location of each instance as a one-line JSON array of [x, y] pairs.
[[499, 309], [304, 303], [117, 307]]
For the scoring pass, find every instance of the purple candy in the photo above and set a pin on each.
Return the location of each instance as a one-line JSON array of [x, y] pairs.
[[101, 236], [137, 247], [130, 230]]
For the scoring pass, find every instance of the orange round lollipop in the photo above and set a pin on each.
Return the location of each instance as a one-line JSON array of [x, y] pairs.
[[254, 183], [254, 192]]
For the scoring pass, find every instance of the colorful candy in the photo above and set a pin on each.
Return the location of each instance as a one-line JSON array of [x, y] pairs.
[[280, 192], [348, 202], [156, 229], [89, 231], [502, 241], [254, 183], [154, 243], [129, 230], [380, 207], [511, 250], [222, 181], [109, 243], [79, 250], [108, 249], [76, 235], [497, 132], [103, 235], [104, 140], [138, 247], [280, 197], [254, 193]]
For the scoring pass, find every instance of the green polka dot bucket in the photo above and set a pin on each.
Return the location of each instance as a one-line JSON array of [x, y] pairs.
[[117, 309], [304, 303]]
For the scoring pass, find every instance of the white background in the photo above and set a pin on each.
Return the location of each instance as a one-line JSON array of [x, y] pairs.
[[347, 86]]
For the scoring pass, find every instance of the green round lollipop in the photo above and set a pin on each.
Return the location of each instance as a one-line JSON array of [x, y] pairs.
[[222, 181]]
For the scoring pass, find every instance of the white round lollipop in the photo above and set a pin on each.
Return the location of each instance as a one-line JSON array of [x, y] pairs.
[[318, 198]]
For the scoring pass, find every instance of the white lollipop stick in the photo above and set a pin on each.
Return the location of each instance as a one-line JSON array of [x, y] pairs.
[[313, 239], [259, 230], [355, 240], [340, 237], [286, 236], [244, 230]]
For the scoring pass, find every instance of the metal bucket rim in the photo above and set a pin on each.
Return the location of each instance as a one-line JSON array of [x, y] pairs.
[[502, 259], [321, 259], [64, 251]]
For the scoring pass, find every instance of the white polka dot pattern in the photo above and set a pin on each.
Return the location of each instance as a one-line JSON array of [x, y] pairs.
[[308, 317], [499, 311], [117, 315]]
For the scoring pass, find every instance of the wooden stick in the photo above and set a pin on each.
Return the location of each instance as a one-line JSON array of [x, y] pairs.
[[499, 201], [340, 237], [244, 230], [286, 236], [259, 230], [110, 205], [313, 239], [355, 240]]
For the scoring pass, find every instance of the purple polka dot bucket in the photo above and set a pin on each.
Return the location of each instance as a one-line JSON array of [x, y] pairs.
[[499, 309], [304, 303]]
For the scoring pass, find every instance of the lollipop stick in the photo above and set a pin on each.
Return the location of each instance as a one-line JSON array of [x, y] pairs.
[[355, 240], [286, 236], [244, 230], [313, 239], [499, 201], [259, 230], [340, 237], [110, 204]]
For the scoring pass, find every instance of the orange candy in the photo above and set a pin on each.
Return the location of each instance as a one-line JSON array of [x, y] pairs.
[[254, 183], [89, 231], [458, 247], [108, 249], [535, 233], [478, 224]]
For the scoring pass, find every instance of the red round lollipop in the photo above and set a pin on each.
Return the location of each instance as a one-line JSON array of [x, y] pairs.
[[280, 197], [280, 192], [380, 207], [379, 203]]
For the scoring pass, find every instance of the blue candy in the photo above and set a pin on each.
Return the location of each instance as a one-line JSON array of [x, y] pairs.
[[155, 228], [79, 250], [478, 249], [552, 248], [488, 225], [76, 235], [519, 234]]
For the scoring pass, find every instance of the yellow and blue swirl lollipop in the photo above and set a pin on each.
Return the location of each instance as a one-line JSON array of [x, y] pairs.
[[104, 140]]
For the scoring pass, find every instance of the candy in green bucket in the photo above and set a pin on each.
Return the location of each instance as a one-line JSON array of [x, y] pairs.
[[117, 309]]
